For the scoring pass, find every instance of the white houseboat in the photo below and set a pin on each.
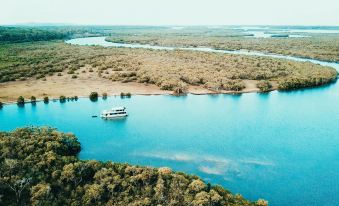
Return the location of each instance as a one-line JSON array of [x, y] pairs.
[[115, 112]]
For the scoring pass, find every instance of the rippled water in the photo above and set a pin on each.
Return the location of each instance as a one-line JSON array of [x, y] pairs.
[[281, 146]]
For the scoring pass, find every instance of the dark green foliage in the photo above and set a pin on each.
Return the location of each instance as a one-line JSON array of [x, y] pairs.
[[39, 166], [21, 100], [128, 95], [264, 86], [304, 81], [62, 99], [76, 98], [25, 34], [33, 99], [1, 105], [74, 76], [46, 100], [104, 95], [93, 96]]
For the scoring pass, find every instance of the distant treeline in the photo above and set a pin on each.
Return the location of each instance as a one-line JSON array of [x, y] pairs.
[[14, 34], [23, 34], [39, 166], [29, 33]]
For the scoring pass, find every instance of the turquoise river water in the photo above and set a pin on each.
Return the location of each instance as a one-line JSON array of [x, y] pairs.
[[280, 146]]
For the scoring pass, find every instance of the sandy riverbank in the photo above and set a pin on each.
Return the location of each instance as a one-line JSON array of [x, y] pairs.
[[55, 86]]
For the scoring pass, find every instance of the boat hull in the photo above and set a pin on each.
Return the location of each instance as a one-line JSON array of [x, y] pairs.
[[113, 116]]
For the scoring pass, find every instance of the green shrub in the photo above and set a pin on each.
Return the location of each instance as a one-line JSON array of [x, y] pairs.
[[33, 99], [122, 94], [46, 100], [93, 96], [104, 95], [1, 105], [40, 76], [74, 76], [264, 86], [76, 98], [21, 100], [233, 85], [62, 99]]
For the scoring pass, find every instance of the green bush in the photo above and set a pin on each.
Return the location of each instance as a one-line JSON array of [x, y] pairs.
[[93, 96], [264, 86], [122, 94], [21, 100], [104, 95], [46, 100], [62, 99], [1, 105], [33, 99]]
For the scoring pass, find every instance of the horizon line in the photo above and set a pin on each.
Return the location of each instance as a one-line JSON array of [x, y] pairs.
[[156, 25]]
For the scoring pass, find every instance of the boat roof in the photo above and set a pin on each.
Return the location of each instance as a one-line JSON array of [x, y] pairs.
[[118, 108]]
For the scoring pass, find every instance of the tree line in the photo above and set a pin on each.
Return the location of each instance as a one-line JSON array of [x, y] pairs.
[[27, 34]]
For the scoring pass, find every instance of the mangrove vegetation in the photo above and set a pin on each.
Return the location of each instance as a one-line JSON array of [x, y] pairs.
[[169, 70], [39, 166]]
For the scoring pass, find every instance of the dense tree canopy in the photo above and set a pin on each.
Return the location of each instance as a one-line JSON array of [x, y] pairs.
[[39, 166], [24, 34]]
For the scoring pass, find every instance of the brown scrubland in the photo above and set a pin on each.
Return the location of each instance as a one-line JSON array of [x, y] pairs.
[[55, 68]]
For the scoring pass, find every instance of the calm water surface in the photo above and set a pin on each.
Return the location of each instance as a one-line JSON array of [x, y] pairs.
[[281, 146]]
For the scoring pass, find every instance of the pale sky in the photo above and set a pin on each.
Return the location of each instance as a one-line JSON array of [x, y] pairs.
[[171, 12]]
